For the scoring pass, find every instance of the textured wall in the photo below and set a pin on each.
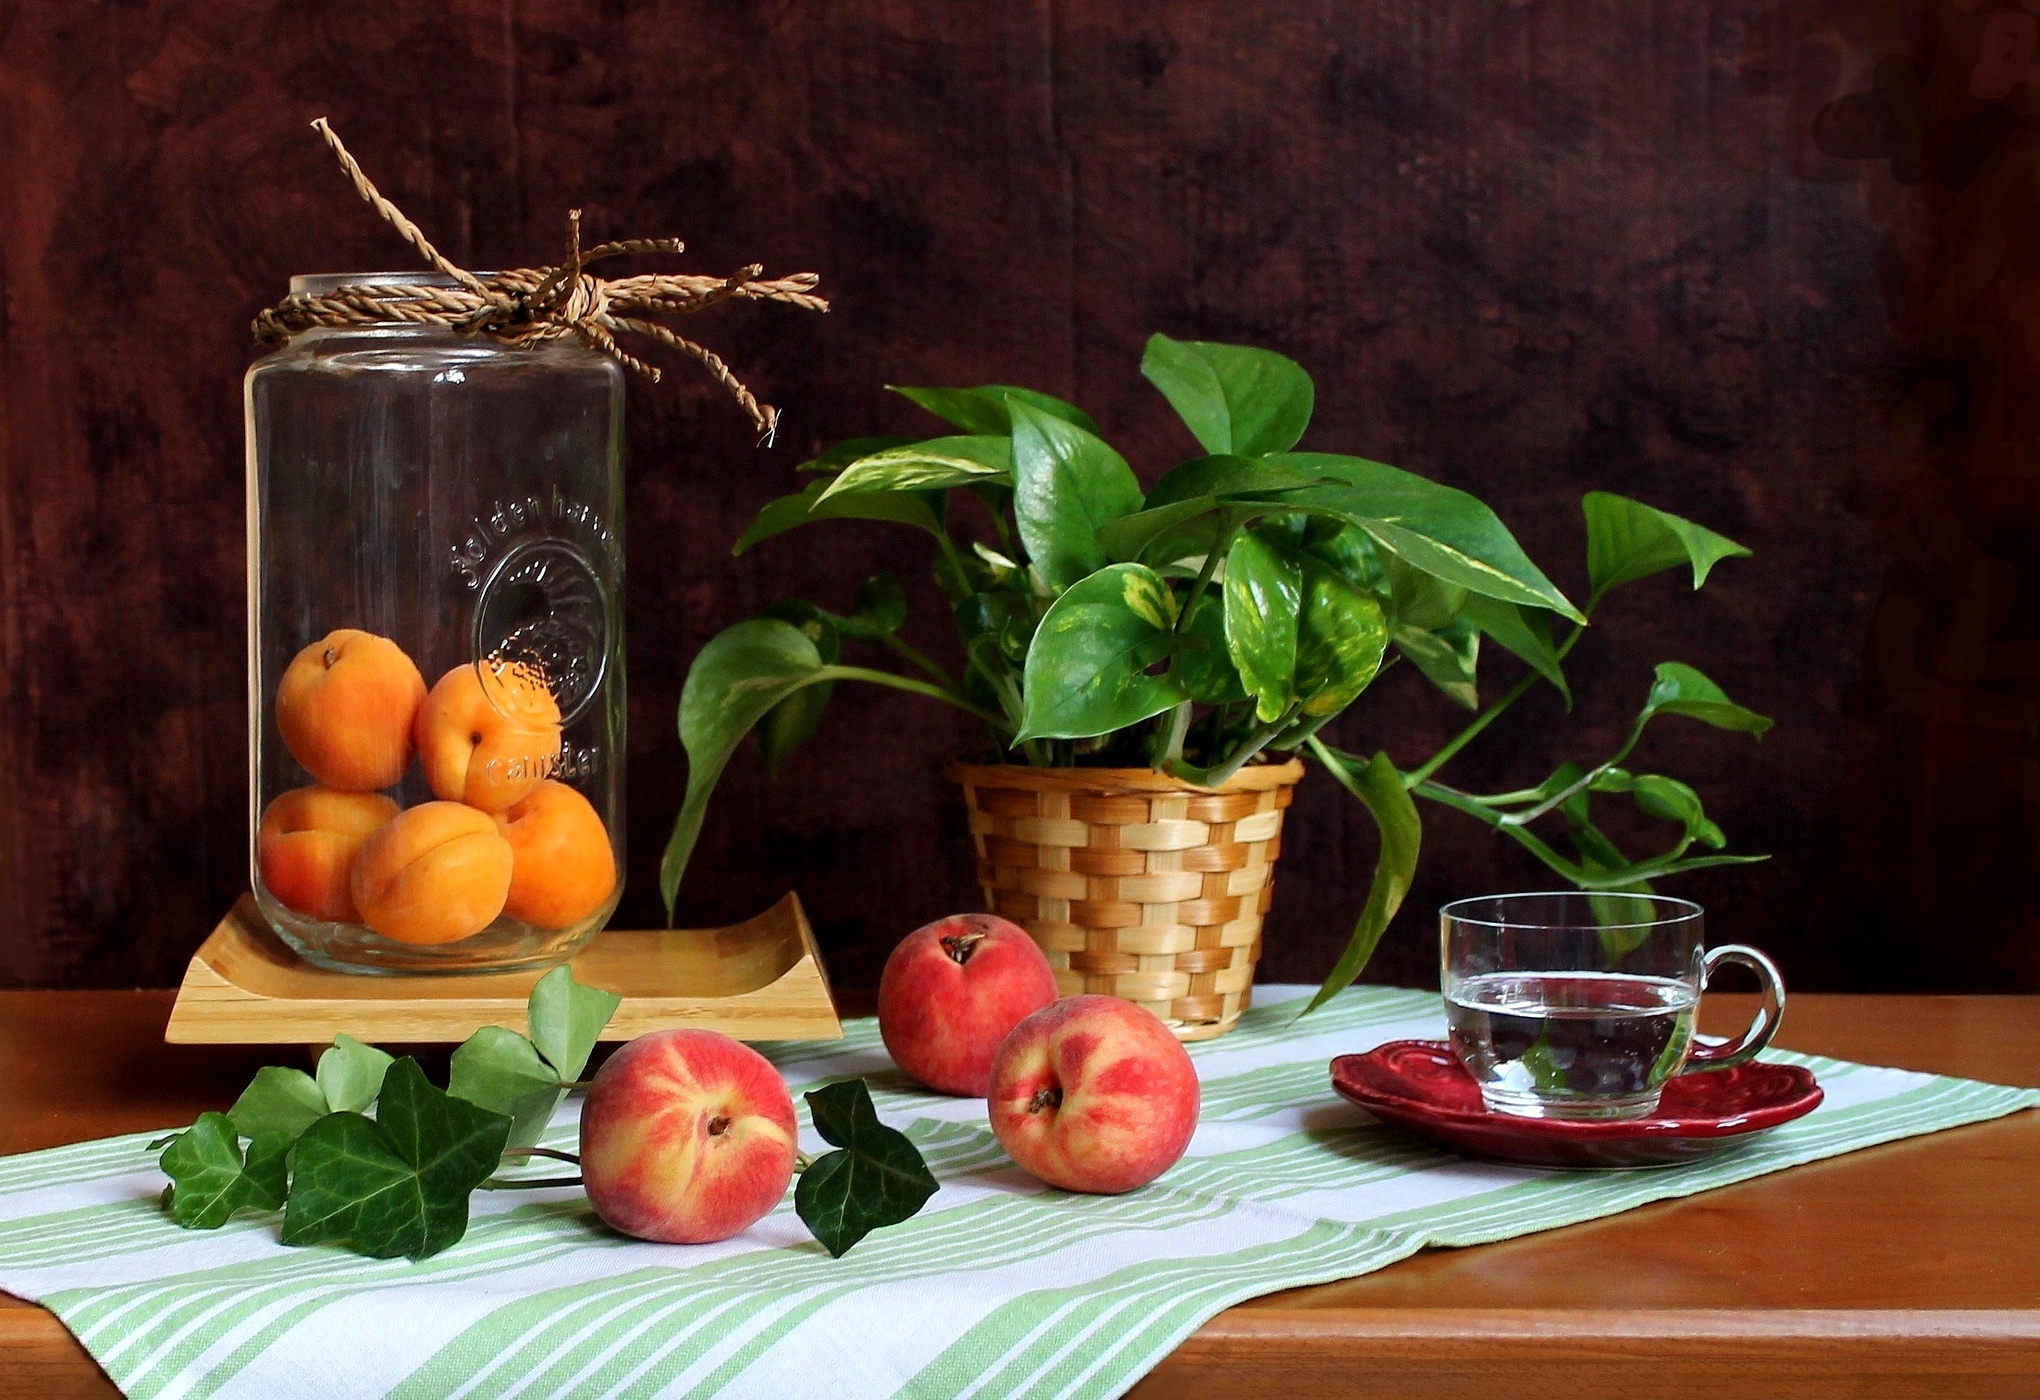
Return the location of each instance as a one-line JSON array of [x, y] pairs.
[[1772, 265]]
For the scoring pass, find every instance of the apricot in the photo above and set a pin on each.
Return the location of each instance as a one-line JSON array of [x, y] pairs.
[[564, 867], [307, 844], [437, 874], [345, 707], [488, 734]]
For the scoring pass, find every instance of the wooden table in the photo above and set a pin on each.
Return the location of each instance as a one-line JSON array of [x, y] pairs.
[[1906, 1270]]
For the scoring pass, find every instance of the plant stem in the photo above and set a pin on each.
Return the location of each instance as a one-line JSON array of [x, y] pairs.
[[542, 1152], [1217, 552], [801, 1161], [1485, 717], [1172, 735], [892, 643], [908, 683], [497, 1184]]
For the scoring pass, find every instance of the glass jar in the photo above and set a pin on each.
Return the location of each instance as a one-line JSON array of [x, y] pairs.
[[435, 644]]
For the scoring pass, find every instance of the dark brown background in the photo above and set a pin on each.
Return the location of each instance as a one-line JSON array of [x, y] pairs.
[[1772, 265]]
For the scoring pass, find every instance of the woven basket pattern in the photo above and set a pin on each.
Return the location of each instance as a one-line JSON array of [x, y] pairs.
[[1134, 884]]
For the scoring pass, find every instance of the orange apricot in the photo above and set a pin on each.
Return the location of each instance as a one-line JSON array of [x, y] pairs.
[[437, 874], [564, 866], [345, 706], [488, 734], [307, 844]]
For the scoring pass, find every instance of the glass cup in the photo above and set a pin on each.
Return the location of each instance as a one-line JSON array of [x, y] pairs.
[[1581, 1006]]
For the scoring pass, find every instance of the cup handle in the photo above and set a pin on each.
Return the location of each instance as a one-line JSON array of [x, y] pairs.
[[1761, 1030]]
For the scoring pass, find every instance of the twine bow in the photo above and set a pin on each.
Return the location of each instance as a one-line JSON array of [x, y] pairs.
[[528, 305]]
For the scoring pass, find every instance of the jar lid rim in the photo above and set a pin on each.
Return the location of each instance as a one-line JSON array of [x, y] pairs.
[[320, 283]]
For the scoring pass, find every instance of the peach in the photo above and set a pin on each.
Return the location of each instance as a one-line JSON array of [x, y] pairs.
[[344, 708], [686, 1137], [436, 874], [951, 991], [307, 843], [1093, 1094], [564, 867], [488, 734]]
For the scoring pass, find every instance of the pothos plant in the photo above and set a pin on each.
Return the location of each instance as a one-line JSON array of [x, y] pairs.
[[1223, 617], [370, 1154]]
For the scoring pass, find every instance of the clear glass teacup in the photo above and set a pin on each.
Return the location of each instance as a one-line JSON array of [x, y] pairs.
[[1581, 1006]]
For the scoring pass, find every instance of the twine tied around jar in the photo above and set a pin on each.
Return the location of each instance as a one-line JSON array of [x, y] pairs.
[[528, 305]]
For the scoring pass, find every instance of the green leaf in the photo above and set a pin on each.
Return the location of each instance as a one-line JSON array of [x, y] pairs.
[[935, 464], [1380, 789], [740, 675], [983, 410], [1128, 539], [1233, 398], [1524, 632], [1204, 665], [1263, 597], [1066, 483], [278, 1100], [794, 720], [1628, 540], [1667, 799], [1681, 690], [1351, 551], [836, 458], [879, 609], [877, 1178], [500, 1070], [1087, 668], [350, 1073], [1341, 634], [1416, 598], [805, 507], [398, 1184], [1228, 476], [1438, 529], [210, 1179], [567, 1018], [1448, 657]]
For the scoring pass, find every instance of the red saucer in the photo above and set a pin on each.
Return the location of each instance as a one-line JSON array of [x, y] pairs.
[[1421, 1086]]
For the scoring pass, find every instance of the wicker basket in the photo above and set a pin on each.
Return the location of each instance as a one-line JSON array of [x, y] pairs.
[[1134, 883]]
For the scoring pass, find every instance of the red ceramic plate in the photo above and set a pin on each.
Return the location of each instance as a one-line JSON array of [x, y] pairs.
[[1421, 1086]]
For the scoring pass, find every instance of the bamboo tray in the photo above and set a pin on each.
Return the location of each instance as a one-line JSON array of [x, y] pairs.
[[758, 980]]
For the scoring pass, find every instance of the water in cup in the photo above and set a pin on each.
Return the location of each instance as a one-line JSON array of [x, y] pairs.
[[1571, 1044]]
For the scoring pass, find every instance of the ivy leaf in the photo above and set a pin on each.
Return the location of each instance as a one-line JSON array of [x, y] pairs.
[[1233, 398], [984, 411], [350, 1073], [278, 1100], [499, 1070], [1087, 668], [1448, 656], [1263, 597], [567, 1018], [877, 1178], [1066, 483], [397, 1184], [834, 459], [900, 507], [936, 464], [1628, 540], [1681, 690], [1665, 798], [210, 1179], [1380, 789]]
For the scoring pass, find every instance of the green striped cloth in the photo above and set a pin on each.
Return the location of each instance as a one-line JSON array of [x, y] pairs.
[[999, 1288]]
